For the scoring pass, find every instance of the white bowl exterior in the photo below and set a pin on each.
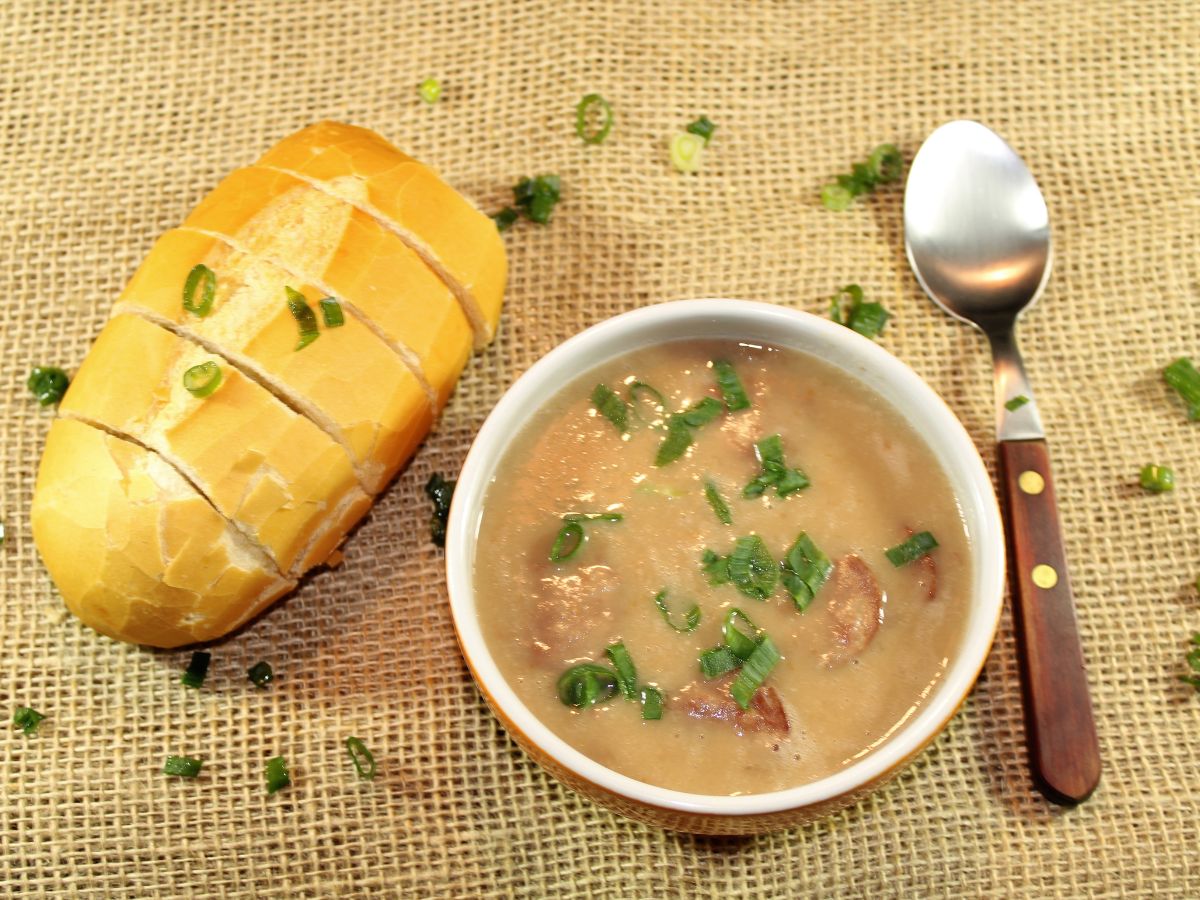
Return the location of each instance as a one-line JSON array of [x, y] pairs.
[[753, 323]]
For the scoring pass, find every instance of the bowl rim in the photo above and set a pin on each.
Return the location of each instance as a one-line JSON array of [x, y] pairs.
[[521, 400]]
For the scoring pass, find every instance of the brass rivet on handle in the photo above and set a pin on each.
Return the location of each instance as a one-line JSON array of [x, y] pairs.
[[1044, 576], [1031, 482]]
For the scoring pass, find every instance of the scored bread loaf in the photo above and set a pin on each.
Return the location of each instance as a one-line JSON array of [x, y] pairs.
[[168, 517]]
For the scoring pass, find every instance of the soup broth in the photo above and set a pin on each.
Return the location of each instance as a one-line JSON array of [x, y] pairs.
[[855, 664]]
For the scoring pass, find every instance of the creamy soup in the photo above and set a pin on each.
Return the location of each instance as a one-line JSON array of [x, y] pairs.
[[812, 680]]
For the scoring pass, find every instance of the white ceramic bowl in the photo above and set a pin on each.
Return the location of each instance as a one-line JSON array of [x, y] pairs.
[[861, 358]]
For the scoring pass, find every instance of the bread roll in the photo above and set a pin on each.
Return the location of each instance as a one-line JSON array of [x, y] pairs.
[[167, 518]]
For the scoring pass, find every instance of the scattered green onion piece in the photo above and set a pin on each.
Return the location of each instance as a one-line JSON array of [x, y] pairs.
[[701, 413], [754, 672], [538, 197], [200, 274], [1157, 479], [913, 549], [715, 567], [691, 621], [639, 393], [197, 670], [331, 312], [1185, 379], [612, 407], [261, 674], [836, 197], [277, 774], [182, 766], [441, 492], [626, 672], [304, 316], [652, 703], [847, 307], [885, 164], [430, 90], [27, 719], [48, 384], [731, 386], [739, 643], [505, 218], [1016, 403], [589, 104], [586, 685], [752, 569], [680, 427], [363, 759], [702, 127], [716, 661], [1193, 661], [202, 380], [567, 542], [594, 517], [719, 506], [805, 570], [687, 151], [775, 471]]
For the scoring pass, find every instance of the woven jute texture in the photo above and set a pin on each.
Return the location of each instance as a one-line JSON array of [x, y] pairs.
[[117, 117]]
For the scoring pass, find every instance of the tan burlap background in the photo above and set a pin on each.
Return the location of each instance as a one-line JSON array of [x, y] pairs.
[[117, 117]]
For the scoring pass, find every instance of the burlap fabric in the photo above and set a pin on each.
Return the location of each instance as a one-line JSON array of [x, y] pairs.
[[118, 117]]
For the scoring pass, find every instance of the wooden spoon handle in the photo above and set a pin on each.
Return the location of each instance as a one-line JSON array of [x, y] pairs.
[[1063, 748]]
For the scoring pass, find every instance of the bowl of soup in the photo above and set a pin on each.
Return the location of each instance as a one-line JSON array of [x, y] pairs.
[[723, 566]]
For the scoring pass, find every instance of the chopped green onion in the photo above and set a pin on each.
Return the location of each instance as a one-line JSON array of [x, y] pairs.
[[612, 407], [277, 774], [202, 380], [680, 427], [594, 517], [304, 316], [200, 273], [505, 218], [716, 661], [586, 685], [589, 104], [719, 506], [639, 393], [48, 384], [687, 151], [626, 673], [1193, 661], [738, 642], [441, 492], [701, 413], [1157, 479], [652, 703], [702, 127], [913, 549], [27, 719], [430, 90], [805, 569], [331, 312], [1016, 403], [567, 542], [848, 308], [363, 759], [182, 766], [1185, 379], [538, 197], [690, 623], [836, 197], [731, 386], [775, 471], [883, 166], [715, 566], [754, 672], [752, 569], [261, 674], [197, 670]]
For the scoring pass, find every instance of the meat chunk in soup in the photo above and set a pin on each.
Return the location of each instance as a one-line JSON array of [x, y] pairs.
[[854, 605], [711, 700]]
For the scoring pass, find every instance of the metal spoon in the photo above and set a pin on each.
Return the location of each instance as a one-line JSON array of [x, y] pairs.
[[978, 238]]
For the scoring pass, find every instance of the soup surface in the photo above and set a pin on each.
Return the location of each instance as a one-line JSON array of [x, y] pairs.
[[855, 664]]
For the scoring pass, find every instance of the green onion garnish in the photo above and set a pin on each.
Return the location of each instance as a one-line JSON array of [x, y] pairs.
[[277, 774], [200, 275], [202, 380], [26, 718], [701, 413], [538, 196], [716, 661], [652, 703], [331, 312], [687, 151], [640, 395], [847, 308], [1193, 661], [505, 218], [567, 542], [702, 127], [261, 674], [1182, 376], [754, 672], [775, 471], [752, 569], [690, 622], [430, 90], [182, 766], [593, 103], [304, 316], [731, 386], [441, 492], [719, 506], [594, 517], [836, 197], [48, 384], [363, 759], [680, 427], [197, 669], [715, 567], [586, 685], [805, 569], [612, 407], [1016, 403], [626, 672], [914, 548], [739, 642], [883, 166], [1157, 479]]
